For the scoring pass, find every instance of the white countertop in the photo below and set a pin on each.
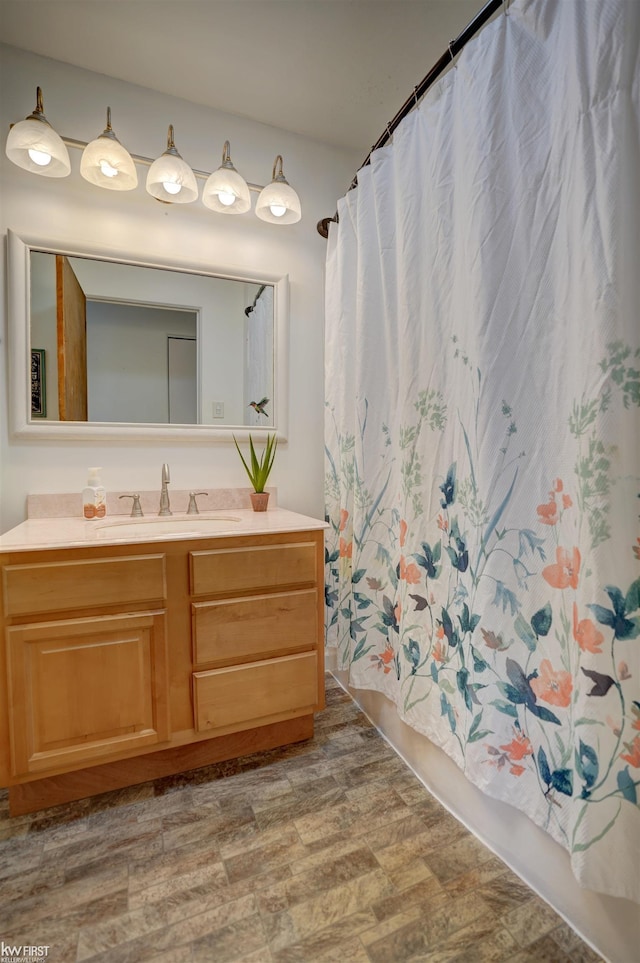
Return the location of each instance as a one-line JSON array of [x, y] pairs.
[[44, 533]]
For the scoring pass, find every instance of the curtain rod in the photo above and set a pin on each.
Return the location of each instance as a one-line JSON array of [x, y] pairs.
[[452, 51]]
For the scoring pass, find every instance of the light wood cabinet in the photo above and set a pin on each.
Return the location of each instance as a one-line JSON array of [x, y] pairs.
[[125, 663]]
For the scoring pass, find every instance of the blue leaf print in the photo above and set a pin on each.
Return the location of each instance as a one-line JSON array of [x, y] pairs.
[[447, 710], [356, 627], [467, 621], [526, 696], [632, 598], [541, 620], [429, 559], [448, 487], [449, 631], [587, 766], [459, 560], [357, 575], [505, 707], [623, 627], [475, 732], [388, 616], [505, 597], [562, 781], [497, 515], [479, 663], [543, 767], [412, 654], [528, 637], [627, 786], [360, 650], [530, 543], [434, 671]]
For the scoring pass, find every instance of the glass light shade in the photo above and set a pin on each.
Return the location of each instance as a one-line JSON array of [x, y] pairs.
[[106, 163], [278, 203], [170, 179], [34, 146], [226, 192]]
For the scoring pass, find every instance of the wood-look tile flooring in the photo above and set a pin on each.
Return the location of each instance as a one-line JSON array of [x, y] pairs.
[[331, 850]]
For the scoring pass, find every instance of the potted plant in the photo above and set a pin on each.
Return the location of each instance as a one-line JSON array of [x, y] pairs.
[[259, 470]]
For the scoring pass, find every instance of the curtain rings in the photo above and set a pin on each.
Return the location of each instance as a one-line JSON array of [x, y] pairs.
[[507, 4], [451, 53]]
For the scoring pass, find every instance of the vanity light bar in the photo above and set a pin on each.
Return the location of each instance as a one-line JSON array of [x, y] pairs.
[[34, 146], [148, 161]]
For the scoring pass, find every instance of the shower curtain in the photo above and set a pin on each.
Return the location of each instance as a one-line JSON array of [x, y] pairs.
[[259, 356], [482, 431]]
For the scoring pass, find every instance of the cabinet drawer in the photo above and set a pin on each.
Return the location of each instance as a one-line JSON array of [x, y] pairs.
[[242, 696], [254, 627], [60, 586], [262, 567]]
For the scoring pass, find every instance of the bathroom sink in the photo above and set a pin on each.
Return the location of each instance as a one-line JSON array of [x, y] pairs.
[[172, 525]]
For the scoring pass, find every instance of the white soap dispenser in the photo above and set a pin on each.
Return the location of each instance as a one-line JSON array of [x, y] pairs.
[[94, 497]]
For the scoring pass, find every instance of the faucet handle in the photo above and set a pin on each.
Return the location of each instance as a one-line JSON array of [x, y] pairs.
[[193, 505], [136, 508]]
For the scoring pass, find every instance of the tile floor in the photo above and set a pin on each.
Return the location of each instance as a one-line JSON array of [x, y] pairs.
[[331, 850]]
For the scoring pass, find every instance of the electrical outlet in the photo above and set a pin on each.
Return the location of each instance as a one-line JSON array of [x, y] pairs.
[[218, 409]]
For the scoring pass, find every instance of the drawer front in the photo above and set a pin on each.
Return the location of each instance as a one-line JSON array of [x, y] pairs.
[[265, 567], [243, 696], [60, 586], [237, 630]]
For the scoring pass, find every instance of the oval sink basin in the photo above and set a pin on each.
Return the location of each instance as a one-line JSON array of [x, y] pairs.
[[172, 525]]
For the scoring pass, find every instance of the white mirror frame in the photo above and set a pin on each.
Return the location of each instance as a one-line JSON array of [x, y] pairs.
[[19, 248]]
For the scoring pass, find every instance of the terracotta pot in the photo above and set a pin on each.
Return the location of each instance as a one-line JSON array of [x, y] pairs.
[[259, 501]]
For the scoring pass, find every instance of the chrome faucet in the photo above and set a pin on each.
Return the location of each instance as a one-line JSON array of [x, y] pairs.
[[165, 507]]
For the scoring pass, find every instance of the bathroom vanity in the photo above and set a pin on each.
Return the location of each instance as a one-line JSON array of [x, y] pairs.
[[135, 649]]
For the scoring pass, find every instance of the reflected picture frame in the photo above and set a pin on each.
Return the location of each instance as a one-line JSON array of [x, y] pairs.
[[38, 383]]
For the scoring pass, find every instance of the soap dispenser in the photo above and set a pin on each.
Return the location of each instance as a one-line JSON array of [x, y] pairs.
[[94, 497]]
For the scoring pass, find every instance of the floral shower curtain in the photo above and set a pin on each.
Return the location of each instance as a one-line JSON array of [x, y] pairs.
[[482, 431]]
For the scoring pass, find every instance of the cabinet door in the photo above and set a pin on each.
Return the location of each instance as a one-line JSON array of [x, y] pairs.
[[83, 690]]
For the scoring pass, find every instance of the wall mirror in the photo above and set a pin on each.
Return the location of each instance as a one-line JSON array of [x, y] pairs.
[[112, 345]]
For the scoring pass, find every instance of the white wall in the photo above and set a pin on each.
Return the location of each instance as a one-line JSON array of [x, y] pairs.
[[71, 210]]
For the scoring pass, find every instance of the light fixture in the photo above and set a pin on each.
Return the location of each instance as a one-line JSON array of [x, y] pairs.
[[170, 179], [225, 190], [34, 146], [278, 203], [106, 163]]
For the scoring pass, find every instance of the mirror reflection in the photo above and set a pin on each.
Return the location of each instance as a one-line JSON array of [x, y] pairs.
[[120, 343]]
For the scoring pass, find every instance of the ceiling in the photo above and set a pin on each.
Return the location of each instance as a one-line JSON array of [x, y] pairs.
[[334, 70]]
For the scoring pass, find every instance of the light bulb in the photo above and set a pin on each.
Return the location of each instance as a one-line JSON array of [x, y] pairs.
[[277, 210], [39, 157], [226, 197], [107, 169], [171, 187]]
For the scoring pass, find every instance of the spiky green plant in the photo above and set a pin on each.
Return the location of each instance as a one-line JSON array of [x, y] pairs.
[[260, 468]]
